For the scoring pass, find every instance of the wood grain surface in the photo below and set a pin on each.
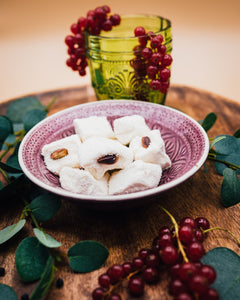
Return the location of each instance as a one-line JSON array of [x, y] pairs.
[[124, 233]]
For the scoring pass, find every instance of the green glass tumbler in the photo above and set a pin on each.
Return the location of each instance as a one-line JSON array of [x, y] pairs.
[[110, 56]]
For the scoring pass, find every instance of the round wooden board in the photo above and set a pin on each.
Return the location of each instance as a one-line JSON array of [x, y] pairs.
[[124, 233]]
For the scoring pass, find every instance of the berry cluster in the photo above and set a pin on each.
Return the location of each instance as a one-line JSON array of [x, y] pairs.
[[95, 21], [151, 59], [181, 250]]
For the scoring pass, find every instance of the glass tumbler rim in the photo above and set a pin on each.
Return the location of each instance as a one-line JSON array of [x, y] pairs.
[[102, 37]]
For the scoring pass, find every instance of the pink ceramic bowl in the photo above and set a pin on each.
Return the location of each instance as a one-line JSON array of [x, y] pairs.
[[186, 143]]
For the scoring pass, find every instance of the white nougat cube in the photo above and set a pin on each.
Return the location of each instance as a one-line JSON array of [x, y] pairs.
[[93, 126], [82, 182], [153, 152], [93, 150], [126, 128], [69, 145], [138, 176]]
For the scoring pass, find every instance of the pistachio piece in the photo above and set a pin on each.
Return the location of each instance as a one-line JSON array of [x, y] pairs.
[[108, 159], [146, 141], [59, 153]]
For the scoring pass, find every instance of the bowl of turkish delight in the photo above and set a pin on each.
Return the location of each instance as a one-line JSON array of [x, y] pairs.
[[113, 151]]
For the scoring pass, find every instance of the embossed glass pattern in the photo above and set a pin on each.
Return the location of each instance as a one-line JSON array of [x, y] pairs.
[[110, 54]]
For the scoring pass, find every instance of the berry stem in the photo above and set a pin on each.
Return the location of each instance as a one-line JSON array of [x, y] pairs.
[[226, 230], [180, 246]]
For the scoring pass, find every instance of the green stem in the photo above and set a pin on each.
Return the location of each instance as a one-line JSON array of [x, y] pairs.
[[226, 230], [212, 156], [180, 246], [47, 107], [5, 175], [10, 146], [31, 214]]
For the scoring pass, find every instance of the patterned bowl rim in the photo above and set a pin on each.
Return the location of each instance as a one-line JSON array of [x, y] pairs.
[[123, 197]]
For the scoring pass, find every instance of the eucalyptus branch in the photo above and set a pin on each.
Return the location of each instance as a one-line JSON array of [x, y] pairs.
[[29, 212], [11, 146], [5, 175], [47, 107], [212, 156]]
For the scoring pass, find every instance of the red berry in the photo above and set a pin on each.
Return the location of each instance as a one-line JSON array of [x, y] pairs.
[[97, 294], [165, 240], [143, 253], [209, 273], [152, 260], [74, 28], [156, 58], [137, 263], [115, 19], [169, 255], [150, 274], [139, 31], [177, 287], [211, 294], [146, 52], [162, 49], [104, 280], [107, 25], [202, 223], [199, 235], [82, 22], [187, 220], [136, 286], [100, 13], [127, 268], [186, 234], [187, 270], [198, 284], [184, 296], [156, 42], [152, 71], [69, 41], [115, 273], [106, 8], [155, 84], [164, 74], [195, 251], [166, 60], [173, 271], [114, 297]]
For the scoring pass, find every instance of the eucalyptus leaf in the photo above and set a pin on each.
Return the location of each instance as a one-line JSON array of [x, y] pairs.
[[18, 108], [1, 185], [33, 117], [5, 128], [10, 140], [230, 188], [45, 282], [9, 231], [31, 258], [237, 134], [226, 263], [7, 293], [209, 121], [46, 239], [45, 206], [227, 149], [87, 256]]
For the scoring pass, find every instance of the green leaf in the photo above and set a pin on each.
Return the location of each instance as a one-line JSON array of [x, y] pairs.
[[45, 281], [5, 128], [226, 263], [10, 140], [9, 168], [1, 185], [227, 149], [209, 121], [46, 239], [230, 189], [33, 117], [87, 256], [9, 231], [30, 258], [18, 108], [44, 207], [237, 133], [7, 293]]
